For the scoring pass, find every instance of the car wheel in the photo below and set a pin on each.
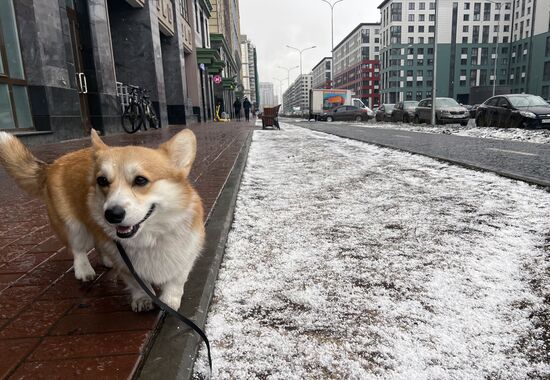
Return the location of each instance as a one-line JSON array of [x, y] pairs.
[[358, 118], [416, 119], [406, 119], [330, 119], [463, 123]]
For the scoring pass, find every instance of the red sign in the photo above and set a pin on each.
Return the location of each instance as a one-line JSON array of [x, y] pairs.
[[217, 79]]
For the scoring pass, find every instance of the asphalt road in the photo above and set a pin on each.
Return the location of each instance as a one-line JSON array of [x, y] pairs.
[[519, 160]]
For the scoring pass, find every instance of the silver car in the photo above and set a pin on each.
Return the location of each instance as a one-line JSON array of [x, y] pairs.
[[447, 111]]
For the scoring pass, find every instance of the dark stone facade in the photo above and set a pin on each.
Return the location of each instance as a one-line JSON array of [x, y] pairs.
[[118, 43]]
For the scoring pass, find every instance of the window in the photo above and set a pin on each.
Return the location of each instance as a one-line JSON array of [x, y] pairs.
[[421, 29], [475, 34], [183, 9], [465, 29], [487, 12], [14, 101], [422, 6], [411, 17], [548, 46], [409, 95], [485, 36], [395, 9], [411, 29], [466, 6], [432, 17], [477, 11], [423, 18], [418, 95], [466, 17], [395, 34], [432, 6], [411, 6]]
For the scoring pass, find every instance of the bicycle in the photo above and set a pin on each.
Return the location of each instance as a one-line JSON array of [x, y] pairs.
[[139, 111]]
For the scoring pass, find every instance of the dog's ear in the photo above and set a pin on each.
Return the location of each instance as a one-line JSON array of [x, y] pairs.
[[182, 149], [97, 143]]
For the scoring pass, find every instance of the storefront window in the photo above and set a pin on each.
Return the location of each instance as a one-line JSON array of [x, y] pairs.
[[14, 101]]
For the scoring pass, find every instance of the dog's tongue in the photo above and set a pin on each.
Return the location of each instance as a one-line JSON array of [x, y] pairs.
[[123, 229]]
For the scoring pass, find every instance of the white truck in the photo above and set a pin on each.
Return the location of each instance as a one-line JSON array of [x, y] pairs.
[[323, 100]]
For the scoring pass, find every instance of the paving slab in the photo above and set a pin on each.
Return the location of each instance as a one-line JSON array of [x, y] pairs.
[[50, 323]]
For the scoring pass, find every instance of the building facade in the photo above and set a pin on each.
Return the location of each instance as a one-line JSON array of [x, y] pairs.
[[224, 35], [267, 95], [480, 44], [322, 74], [65, 66], [357, 65], [296, 97], [250, 79]]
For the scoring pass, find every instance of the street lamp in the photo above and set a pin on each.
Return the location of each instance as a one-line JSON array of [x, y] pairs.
[[288, 70], [434, 79], [332, 5], [300, 51], [498, 37]]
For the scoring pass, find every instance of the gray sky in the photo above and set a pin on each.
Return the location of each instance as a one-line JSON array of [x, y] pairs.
[[273, 24]]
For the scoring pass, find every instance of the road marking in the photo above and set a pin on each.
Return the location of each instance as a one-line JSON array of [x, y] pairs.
[[512, 151], [402, 136]]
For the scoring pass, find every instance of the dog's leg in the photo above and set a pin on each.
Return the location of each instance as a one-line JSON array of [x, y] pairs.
[[140, 300], [80, 243], [105, 249], [172, 291]]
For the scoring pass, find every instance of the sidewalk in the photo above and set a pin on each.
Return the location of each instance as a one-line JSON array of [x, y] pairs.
[[52, 324]]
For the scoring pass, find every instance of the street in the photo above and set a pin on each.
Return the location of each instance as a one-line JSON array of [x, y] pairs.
[[520, 160], [351, 261]]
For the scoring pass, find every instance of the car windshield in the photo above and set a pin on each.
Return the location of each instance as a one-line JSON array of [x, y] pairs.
[[388, 107], [447, 102], [527, 101], [409, 105]]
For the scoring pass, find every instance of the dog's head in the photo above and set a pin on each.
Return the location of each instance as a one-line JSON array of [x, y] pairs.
[[137, 188]]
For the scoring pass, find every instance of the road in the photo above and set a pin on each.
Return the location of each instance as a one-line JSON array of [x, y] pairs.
[[519, 160]]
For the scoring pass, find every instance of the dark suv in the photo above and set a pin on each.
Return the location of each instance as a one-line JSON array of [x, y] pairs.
[[514, 111], [404, 111]]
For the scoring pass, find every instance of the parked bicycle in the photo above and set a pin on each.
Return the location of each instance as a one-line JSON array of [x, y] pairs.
[[139, 112]]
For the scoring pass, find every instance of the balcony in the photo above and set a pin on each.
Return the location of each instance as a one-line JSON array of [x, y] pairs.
[[165, 14]]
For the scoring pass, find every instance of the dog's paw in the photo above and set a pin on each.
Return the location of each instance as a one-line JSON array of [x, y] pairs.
[[106, 261], [83, 271], [142, 304]]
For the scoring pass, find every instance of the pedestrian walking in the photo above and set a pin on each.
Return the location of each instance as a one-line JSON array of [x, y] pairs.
[[237, 108], [247, 105]]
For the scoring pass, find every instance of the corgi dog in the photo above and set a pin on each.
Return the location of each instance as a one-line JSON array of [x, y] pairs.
[[138, 196]]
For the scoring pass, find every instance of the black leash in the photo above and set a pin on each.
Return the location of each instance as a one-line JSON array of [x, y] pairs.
[[164, 307]]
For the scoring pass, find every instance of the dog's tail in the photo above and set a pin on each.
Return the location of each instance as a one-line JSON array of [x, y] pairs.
[[21, 164]]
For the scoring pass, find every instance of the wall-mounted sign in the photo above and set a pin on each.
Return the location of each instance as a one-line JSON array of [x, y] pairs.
[[217, 79], [202, 66]]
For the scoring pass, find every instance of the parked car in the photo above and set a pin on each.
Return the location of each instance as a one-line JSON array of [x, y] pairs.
[[514, 111], [471, 109], [447, 111], [404, 111], [346, 113], [384, 112]]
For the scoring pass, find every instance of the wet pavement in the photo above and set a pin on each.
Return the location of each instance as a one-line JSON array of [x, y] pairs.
[[53, 325], [520, 160]]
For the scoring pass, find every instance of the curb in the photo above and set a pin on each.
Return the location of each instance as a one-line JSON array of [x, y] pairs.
[[468, 165], [173, 351]]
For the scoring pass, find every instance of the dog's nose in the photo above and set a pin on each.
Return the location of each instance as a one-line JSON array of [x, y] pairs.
[[115, 215]]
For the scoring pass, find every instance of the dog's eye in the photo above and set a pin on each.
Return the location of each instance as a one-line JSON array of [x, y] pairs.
[[102, 181], [140, 181]]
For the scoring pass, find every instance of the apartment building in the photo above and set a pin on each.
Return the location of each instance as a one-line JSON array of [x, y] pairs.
[[322, 74], [357, 63], [296, 97], [267, 95], [224, 27], [483, 44], [251, 88]]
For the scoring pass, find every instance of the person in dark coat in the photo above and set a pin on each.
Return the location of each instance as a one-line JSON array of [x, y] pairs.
[[247, 105], [237, 108]]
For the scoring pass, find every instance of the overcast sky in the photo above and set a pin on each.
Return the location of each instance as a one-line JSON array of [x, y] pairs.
[[273, 24]]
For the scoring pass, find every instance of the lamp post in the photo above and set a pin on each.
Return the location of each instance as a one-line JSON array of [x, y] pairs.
[[498, 37], [288, 70], [332, 5], [300, 51], [434, 79]]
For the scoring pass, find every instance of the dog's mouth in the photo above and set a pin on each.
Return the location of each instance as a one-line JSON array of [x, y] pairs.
[[126, 232]]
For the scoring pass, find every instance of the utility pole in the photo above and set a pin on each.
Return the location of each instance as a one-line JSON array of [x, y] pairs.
[[434, 81], [332, 5], [300, 51]]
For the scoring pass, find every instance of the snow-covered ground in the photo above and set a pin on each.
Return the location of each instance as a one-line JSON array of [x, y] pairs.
[[349, 261], [539, 136]]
